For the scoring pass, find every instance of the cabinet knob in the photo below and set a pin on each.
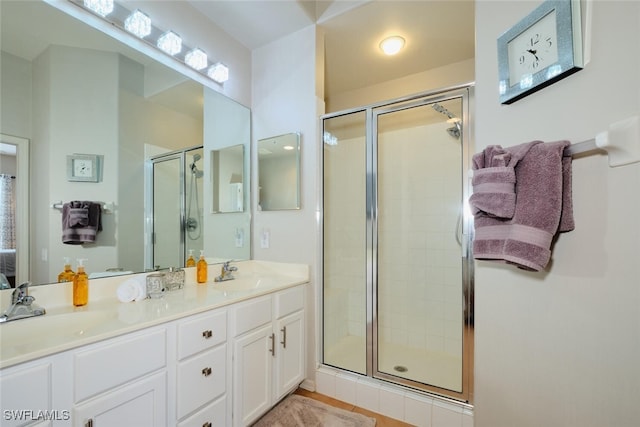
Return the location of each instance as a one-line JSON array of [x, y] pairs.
[[206, 372], [207, 334], [207, 424]]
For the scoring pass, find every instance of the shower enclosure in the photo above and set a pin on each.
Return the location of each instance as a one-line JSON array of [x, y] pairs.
[[176, 208], [397, 273]]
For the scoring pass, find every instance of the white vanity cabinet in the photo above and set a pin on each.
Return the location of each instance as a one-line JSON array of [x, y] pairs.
[[268, 351], [27, 392], [122, 381], [202, 376]]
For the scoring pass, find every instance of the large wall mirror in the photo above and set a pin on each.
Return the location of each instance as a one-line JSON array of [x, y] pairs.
[[68, 88], [228, 179], [279, 172]]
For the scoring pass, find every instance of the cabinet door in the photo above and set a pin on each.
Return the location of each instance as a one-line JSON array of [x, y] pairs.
[[290, 361], [252, 372], [141, 403]]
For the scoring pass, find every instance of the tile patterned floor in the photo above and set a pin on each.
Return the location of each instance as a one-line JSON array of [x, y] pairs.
[[381, 420]]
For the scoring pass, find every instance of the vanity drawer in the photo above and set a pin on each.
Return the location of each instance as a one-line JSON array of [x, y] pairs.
[[118, 361], [251, 314], [213, 415], [201, 379], [289, 301], [201, 332]]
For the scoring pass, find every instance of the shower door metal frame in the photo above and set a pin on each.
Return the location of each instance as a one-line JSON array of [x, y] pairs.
[[150, 215], [464, 92]]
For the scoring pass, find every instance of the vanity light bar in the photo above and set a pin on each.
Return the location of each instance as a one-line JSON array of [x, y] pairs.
[[196, 59], [170, 43], [219, 72], [101, 7], [139, 24]]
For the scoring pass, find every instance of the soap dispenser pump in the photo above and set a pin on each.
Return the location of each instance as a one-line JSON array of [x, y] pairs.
[[67, 273], [191, 262], [201, 270], [80, 285]]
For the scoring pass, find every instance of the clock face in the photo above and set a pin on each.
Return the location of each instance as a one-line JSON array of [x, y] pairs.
[[533, 50], [82, 168]]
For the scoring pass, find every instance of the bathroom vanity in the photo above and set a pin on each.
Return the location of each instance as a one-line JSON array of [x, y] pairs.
[[217, 354]]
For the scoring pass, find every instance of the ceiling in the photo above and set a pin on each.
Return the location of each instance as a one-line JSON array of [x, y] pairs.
[[437, 33]]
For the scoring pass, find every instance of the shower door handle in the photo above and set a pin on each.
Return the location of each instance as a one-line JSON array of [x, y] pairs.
[[284, 337]]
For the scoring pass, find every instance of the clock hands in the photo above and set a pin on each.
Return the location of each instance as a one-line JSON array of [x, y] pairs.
[[533, 52]]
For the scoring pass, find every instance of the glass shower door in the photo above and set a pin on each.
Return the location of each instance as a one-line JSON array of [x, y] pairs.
[[419, 244], [345, 242], [167, 241]]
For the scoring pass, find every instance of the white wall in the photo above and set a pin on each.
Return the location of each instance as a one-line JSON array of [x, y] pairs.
[[284, 93], [561, 347]]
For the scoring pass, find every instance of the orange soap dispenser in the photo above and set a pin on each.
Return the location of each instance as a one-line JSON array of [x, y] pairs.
[[191, 262], [67, 273], [80, 286], [201, 268]]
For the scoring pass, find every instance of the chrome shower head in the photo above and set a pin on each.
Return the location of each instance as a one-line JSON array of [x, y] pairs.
[[196, 157], [454, 131]]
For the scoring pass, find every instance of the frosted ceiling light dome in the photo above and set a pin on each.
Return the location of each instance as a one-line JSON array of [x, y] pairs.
[[392, 45], [101, 7], [196, 59], [138, 23], [219, 72], [170, 43]]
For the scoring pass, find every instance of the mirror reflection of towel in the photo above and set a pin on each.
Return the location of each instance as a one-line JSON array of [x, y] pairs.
[[78, 217], [81, 222]]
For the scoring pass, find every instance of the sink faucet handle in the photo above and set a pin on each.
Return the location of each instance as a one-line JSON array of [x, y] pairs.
[[20, 293]]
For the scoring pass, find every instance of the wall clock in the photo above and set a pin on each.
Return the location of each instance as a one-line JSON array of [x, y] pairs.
[[83, 167], [541, 49]]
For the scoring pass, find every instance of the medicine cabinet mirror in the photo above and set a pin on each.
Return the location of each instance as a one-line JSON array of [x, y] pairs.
[[279, 172], [227, 166]]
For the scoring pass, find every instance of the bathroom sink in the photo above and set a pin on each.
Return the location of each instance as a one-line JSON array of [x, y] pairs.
[[51, 328], [247, 282]]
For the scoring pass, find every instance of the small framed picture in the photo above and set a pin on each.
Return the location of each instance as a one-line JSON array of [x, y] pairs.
[[83, 167]]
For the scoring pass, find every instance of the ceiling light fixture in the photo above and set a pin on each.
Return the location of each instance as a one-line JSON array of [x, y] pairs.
[[101, 7], [138, 23], [219, 72], [392, 45]]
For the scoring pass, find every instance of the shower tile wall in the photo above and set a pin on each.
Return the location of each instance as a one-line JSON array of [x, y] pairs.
[[419, 259]]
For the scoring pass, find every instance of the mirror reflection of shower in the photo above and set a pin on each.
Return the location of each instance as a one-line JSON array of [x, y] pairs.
[[192, 223], [454, 130]]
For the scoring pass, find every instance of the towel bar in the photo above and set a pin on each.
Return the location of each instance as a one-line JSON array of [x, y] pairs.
[[621, 142], [106, 207]]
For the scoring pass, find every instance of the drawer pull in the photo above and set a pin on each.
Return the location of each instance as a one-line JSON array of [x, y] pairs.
[[89, 423], [206, 372], [272, 350], [207, 424], [207, 334], [284, 337]]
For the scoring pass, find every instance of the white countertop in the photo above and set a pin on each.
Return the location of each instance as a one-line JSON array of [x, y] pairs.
[[64, 326]]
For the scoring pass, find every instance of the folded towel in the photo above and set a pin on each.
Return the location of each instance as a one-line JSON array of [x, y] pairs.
[[543, 208], [78, 217], [494, 180], [73, 232]]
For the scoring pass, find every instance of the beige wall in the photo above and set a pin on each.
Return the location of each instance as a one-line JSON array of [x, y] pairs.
[[561, 347]]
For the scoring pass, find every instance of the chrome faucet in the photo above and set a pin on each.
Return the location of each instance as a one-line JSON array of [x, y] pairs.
[[226, 272], [22, 305]]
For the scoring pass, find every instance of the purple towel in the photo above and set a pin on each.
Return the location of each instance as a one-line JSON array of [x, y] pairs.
[[494, 180], [543, 208], [81, 222]]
